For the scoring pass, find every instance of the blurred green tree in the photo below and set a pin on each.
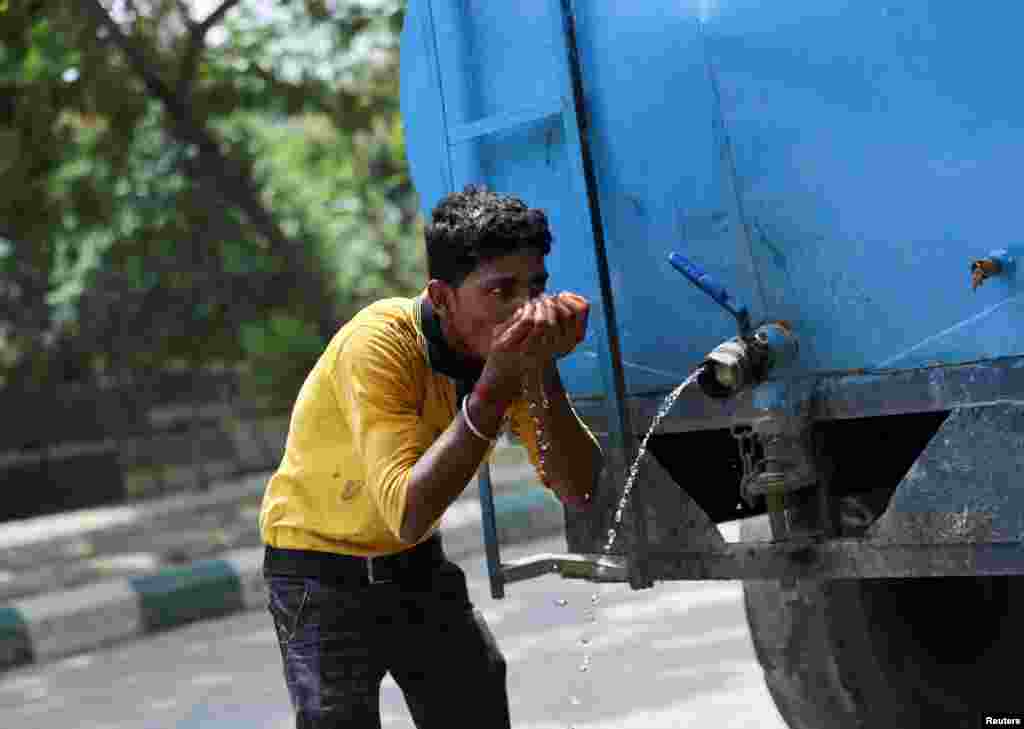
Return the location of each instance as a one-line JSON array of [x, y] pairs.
[[195, 191]]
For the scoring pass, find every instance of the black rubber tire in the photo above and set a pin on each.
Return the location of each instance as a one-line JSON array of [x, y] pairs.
[[905, 654]]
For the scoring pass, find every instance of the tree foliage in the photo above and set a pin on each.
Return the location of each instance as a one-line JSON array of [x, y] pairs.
[[196, 183]]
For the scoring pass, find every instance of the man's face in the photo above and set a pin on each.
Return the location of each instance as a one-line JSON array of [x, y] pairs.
[[489, 296]]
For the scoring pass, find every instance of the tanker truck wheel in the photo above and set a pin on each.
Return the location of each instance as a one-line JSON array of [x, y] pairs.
[[899, 653]]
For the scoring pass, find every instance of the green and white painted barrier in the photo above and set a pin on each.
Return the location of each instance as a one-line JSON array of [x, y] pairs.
[[57, 624]]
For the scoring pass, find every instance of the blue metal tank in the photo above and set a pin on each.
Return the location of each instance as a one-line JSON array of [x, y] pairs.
[[844, 171], [836, 164]]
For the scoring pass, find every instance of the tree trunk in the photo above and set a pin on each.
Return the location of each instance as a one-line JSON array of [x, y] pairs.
[[235, 184]]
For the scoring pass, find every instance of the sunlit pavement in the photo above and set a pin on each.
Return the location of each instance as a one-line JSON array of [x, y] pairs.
[[677, 655]]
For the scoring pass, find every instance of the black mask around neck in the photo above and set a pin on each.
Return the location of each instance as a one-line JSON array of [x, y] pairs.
[[442, 357]]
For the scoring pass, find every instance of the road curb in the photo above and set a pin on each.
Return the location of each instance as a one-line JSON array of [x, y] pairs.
[[54, 625]]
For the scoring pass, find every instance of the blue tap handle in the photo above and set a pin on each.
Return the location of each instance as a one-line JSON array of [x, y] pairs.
[[703, 280]]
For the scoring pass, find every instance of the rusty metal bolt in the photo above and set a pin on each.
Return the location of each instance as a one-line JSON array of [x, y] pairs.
[[983, 269]]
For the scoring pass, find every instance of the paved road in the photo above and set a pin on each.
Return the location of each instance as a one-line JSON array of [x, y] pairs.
[[675, 656]]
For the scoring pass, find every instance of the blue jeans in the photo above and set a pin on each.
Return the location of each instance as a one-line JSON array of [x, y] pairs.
[[337, 642]]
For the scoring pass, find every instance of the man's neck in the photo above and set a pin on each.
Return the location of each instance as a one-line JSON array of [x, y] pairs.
[[457, 346], [446, 356]]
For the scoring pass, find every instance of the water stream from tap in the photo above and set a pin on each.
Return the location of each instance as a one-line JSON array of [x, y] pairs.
[[538, 403], [634, 469]]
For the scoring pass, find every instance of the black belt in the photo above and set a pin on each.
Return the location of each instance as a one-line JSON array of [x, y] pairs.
[[349, 569]]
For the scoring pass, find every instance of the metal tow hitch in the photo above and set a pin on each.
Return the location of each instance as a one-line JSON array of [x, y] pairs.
[[590, 567]]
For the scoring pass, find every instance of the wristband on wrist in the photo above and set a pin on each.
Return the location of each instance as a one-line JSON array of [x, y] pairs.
[[486, 393], [469, 422], [576, 501]]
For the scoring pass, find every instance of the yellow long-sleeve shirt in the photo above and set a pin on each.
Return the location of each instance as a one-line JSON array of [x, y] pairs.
[[370, 407]]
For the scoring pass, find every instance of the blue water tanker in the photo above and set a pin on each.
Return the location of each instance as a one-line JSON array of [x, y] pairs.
[[815, 203]]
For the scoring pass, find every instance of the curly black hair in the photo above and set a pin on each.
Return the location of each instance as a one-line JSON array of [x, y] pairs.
[[476, 225]]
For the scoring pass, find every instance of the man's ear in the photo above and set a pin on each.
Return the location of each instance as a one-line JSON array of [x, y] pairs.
[[441, 295]]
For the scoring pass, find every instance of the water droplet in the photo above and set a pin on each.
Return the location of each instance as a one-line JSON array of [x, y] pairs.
[[561, 602], [584, 641], [584, 668], [575, 700], [595, 598]]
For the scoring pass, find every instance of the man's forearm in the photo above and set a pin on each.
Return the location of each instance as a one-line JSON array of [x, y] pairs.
[[573, 461], [447, 467]]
